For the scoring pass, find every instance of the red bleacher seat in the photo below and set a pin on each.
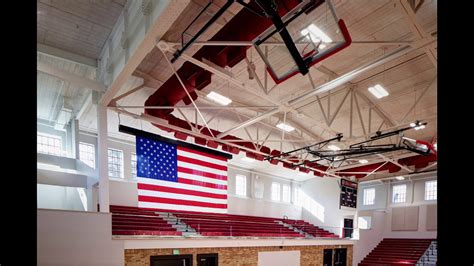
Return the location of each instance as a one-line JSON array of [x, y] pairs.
[[128, 220], [397, 251]]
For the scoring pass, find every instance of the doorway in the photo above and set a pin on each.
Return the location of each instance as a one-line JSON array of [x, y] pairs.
[[211, 259], [340, 256], [348, 228], [327, 259], [171, 260]]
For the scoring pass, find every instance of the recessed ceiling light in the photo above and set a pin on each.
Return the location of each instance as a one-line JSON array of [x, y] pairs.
[[334, 147], [316, 34], [247, 159], [419, 127], [363, 161], [378, 91], [219, 98], [285, 127], [400, 178]]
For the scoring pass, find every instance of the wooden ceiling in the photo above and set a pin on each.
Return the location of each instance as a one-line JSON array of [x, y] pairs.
[[77, 26], [82, 27], [406, 79]]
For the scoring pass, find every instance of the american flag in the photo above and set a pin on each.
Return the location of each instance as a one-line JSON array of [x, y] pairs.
[[174, 177]]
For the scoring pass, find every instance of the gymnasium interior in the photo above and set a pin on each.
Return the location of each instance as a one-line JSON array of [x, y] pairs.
[[237, 132]]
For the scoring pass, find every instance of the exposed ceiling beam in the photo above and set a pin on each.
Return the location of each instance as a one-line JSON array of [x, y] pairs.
[[416, 28], [62, 54], [70, 77], [85, 107], [165, 19]]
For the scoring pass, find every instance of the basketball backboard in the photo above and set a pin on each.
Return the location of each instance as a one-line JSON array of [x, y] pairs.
[[316, 31]]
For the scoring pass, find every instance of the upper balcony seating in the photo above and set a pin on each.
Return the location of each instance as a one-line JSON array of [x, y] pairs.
[[133, 221], [397, 251], [140, 221]]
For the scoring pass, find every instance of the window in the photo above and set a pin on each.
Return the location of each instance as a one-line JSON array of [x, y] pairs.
[[259, 188], [87, 153], [369, 196], [115, 158], [364, 222], [297, 197], [133, 162], [399, 193], [276, 191], [49, 144], [241, 185], [286, 195], [431, 192]]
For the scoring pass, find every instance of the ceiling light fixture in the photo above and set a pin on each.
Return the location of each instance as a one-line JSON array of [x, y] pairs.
[[285, 127], [417, 125], [400, 178], [334, 148], [363, 161], [378, 91], [316, 34], [247, 159], [219, 98]]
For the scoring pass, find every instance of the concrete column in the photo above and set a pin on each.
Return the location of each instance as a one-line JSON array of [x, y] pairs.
[[102, 157], [75, 137], [252, 179]]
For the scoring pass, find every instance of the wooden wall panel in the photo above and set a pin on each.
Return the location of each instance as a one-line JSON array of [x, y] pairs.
[[405, 218], [398, 219], [432, 217], [411, 218]]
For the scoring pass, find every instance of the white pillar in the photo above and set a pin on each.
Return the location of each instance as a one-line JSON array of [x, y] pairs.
[[75, 137], [102, 158]]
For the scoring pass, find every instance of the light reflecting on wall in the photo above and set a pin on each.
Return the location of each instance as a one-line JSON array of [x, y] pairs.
[[312, 206], [82, 194]]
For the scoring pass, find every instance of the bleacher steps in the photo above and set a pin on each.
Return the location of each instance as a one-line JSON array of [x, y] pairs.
[[306, 235], [186, 230], [430, 256]]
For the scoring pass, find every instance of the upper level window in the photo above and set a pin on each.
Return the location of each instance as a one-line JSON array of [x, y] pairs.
[[399, 193], [87, 153], [286, 193], [431, 192], [115, 158], [49, 144], [276, 195], [369, 196], [133, 161], [241, 185]]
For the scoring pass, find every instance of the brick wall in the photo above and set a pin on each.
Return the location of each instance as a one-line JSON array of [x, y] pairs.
[[241, 256]]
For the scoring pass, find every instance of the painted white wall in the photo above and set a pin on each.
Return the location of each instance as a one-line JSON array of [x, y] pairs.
[[76, 238], [60, 197], [326, 192], [279, 258], [381, 213], [369, 238], [123, 192], [250, 204]]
